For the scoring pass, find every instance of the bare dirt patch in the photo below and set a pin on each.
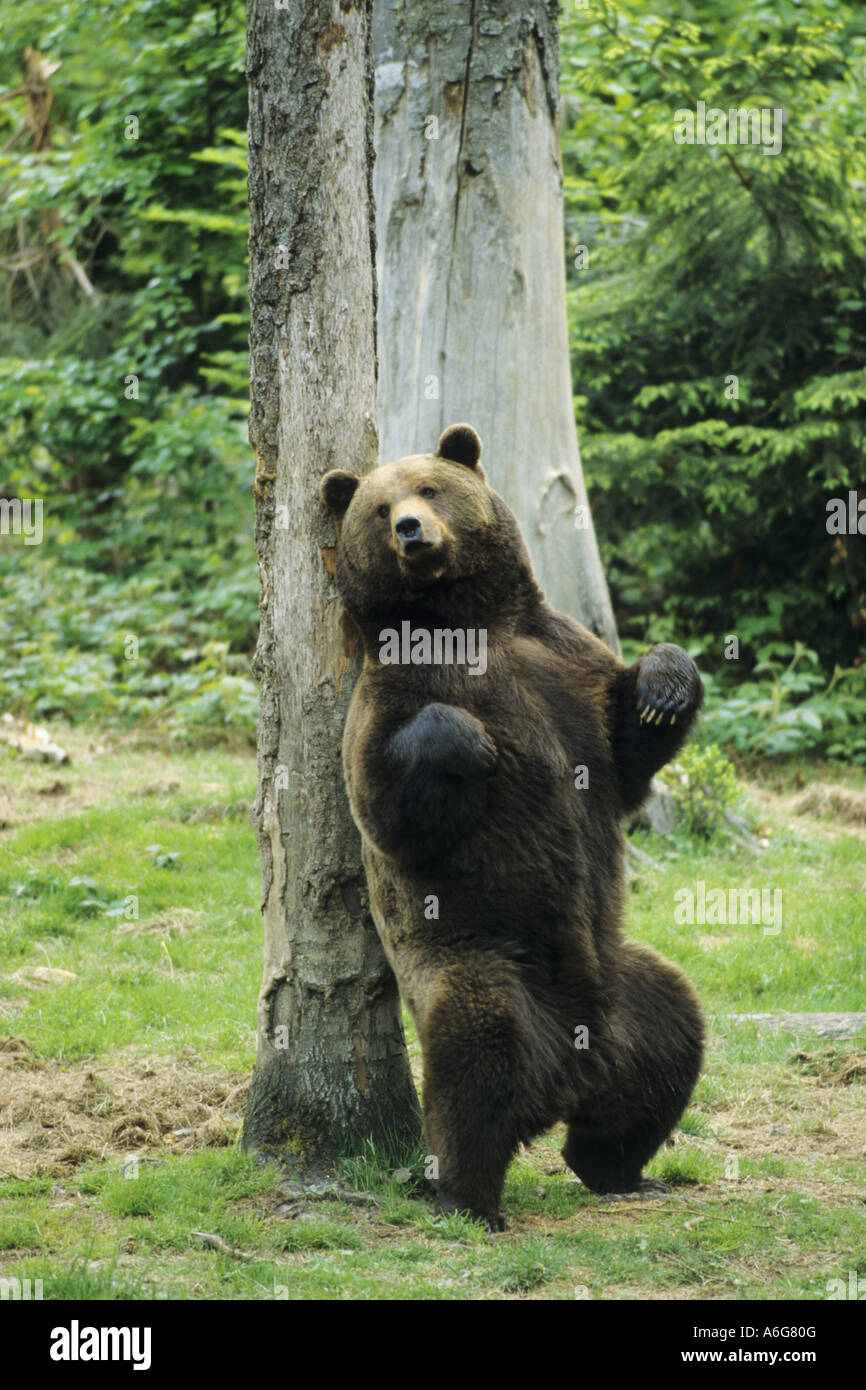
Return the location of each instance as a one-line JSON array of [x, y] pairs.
[[794, 1116], [823, 799], [176, 921], [833, 1067], [104, 768], [54, 1116], [834, 808]]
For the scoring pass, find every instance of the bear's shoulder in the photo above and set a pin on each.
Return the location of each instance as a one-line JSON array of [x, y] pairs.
[[567, 639]]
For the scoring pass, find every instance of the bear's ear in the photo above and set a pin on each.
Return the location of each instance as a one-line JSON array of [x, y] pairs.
[[460, 444], [337, 489]]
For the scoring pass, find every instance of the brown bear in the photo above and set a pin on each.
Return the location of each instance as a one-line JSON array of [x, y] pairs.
[[491, 750]]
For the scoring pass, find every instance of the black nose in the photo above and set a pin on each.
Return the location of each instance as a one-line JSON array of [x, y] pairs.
[[408, 528]]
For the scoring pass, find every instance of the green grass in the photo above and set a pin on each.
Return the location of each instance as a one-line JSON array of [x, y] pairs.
[[148, 991], [727, 1245], [765, 1175], [816, 961]]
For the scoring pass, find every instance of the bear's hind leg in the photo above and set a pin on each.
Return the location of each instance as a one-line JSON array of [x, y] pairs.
[[478, 1096], [654, 1042], [611, 1165]]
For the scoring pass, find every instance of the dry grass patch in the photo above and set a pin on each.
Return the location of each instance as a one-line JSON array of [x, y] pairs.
[[55, 1116]]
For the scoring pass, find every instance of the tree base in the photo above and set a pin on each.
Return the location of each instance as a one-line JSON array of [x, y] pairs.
[[304, 1121]]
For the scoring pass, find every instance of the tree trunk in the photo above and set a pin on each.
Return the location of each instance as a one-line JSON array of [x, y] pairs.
[[472, 318], [332, 1064]]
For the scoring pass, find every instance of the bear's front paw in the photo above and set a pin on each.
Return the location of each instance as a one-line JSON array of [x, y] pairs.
[[485, 754], [450, 740], [466, 749], [669, 688]]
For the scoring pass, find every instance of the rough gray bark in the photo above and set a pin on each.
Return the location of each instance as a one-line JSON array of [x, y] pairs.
[[472, 319], [332, 1062]]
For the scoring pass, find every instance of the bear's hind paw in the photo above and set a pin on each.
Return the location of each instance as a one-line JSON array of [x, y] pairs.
[[448, 1206]]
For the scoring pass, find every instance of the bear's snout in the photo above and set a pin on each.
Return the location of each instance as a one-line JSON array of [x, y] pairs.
[[416, 530], [410, 530]]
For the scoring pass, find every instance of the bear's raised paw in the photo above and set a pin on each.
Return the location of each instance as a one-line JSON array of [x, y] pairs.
[[669, 688]]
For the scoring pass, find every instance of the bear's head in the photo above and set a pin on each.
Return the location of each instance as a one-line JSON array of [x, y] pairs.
[[427, 536]]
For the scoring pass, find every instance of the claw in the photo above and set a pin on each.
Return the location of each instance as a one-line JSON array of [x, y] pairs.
[[673, 720]]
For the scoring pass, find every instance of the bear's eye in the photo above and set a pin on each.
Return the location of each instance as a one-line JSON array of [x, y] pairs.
[[383, 510], [428, 492]]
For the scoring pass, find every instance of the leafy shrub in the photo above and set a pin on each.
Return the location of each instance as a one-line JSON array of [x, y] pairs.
[[704, 785], [140, 605], [794, 709]]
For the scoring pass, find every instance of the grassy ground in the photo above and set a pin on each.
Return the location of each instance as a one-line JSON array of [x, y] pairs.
[[130, 953]]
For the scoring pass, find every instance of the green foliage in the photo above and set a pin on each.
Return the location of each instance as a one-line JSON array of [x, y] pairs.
[[124, 409], [146, 132], [792, 709], [139, 607], [704, 785], [705, 263]]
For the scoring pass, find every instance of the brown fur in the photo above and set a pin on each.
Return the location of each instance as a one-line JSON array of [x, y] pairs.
[[463, 786]]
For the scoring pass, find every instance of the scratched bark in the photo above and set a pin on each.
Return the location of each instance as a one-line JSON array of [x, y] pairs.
[[332, 1062], [472, 319]]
